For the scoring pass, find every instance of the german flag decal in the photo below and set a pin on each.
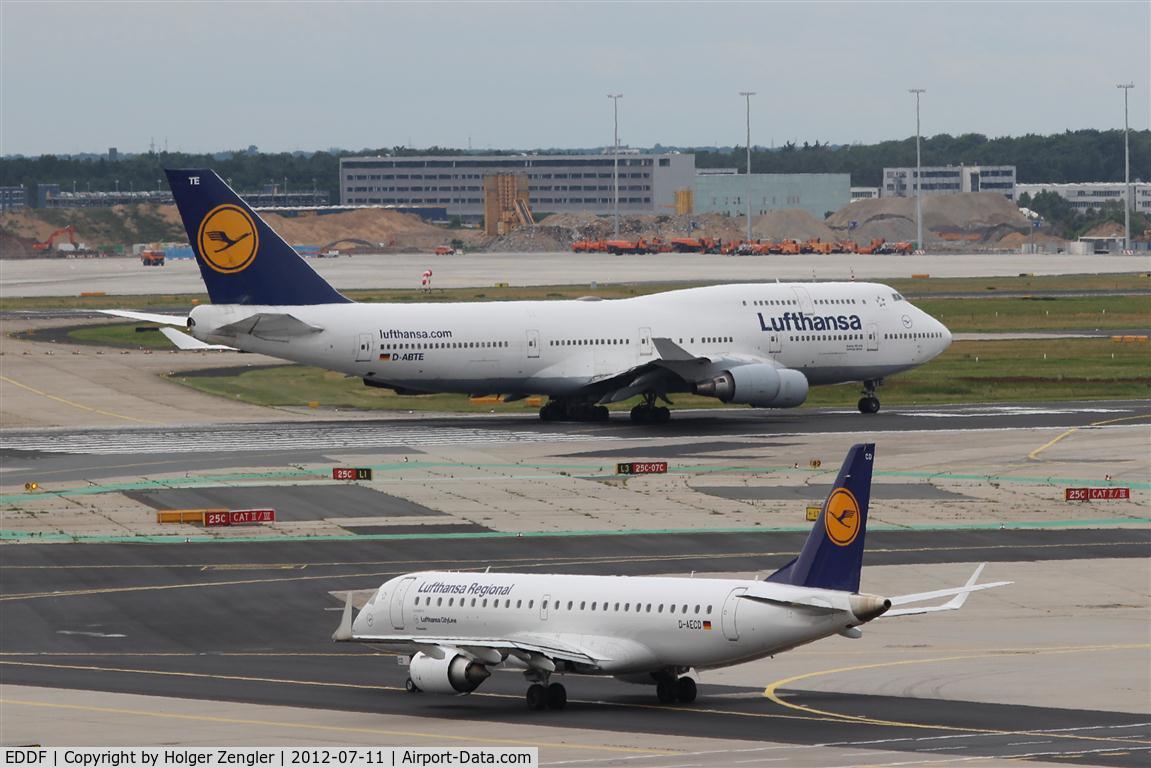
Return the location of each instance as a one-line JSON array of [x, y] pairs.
[[386, 356], [706, 624]]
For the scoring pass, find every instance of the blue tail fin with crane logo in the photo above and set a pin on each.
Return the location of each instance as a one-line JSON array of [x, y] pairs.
[[832, 556], [242, 260]]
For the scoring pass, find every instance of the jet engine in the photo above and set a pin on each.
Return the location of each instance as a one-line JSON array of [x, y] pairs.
[[453, 674], [757, 384]]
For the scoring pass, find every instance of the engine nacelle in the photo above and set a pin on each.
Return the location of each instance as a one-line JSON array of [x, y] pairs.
[[757, 384], [453, 674]]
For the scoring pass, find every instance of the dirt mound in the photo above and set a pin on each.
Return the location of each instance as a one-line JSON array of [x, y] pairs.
[[145, 223], [1014, 240], [560, 230], [971, 217], [374, 225], [1106, 229], [791, 224], [97, 227], [13, 247]]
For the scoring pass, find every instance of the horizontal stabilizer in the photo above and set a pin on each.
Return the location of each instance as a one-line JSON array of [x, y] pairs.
[[268, 325], [343, 632], [147, 317], [186, 342], [807, 605], [958, 596]]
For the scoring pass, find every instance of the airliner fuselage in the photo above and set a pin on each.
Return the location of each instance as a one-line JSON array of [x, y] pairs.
[[829, 332]]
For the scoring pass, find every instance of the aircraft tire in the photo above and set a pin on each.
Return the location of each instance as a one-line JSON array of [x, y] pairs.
[[640, 414], [661, 414], [868, 404], [602, 413], [665, 692], [557, 696], [537, 697], [410, 686], [685, 690]]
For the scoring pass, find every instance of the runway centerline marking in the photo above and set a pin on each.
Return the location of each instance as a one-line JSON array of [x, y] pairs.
[[440, 735], [771, 692], [73, 403]]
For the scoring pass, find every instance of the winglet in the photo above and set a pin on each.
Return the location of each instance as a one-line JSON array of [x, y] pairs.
[[343, 632]]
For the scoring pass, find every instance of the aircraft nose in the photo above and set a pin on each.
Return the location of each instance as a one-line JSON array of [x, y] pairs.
[[945, 336]]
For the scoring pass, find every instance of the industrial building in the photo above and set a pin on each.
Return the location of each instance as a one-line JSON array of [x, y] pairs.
[[950, 180], [12, 199], [727, 193], [556, 183], [1095, 194]]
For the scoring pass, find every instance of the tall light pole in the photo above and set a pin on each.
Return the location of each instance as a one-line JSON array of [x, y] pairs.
[[747, 95], [615, 97], [1126, 171], [918, 176]]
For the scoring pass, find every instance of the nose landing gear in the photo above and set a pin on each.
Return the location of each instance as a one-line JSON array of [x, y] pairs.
[[869, 403]]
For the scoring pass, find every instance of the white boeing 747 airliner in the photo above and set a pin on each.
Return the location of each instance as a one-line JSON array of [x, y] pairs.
[[759, 344], [459, 626]]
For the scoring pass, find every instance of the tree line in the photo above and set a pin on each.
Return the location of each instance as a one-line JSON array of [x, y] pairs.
[[1085, 155]]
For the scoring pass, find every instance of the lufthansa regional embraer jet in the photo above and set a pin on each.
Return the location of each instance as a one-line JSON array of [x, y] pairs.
[[459, 626], [760, 344]]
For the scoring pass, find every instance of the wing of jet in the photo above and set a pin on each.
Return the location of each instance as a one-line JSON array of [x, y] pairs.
[[147, 317], [185, 342], [958, 596], [674, 369]]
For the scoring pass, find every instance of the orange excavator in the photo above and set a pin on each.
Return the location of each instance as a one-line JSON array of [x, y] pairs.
[[47, 244]]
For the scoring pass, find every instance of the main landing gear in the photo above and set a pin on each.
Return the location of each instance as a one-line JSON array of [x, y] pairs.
[[562, 410], [676, 690], [547, 696], [648, 412], [869, 403]]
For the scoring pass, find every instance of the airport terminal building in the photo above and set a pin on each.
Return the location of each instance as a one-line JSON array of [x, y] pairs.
[[556, 183], [949, 180], [1095, 194], [727, 193]]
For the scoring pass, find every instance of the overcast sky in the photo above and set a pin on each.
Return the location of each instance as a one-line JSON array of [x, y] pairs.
[[201, 76]]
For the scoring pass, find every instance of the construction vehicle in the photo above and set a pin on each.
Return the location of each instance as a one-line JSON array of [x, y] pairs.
[[626, 246], [904, 248], [815, 245], [152, 257], [445, 250], [873, 246], [588, 246], [51, 241], [790, 247]]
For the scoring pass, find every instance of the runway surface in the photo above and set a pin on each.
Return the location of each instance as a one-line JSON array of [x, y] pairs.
[[251, 624], [55, 277], [38, 447]]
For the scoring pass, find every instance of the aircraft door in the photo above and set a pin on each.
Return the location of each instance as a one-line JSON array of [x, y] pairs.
[[396, 608], [773, 344], [544, 607], [533, 343], [730, 608], [645, 341], [872, 337], [364, 348]]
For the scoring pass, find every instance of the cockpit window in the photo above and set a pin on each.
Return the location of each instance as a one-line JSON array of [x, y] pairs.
[[896, 297]]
